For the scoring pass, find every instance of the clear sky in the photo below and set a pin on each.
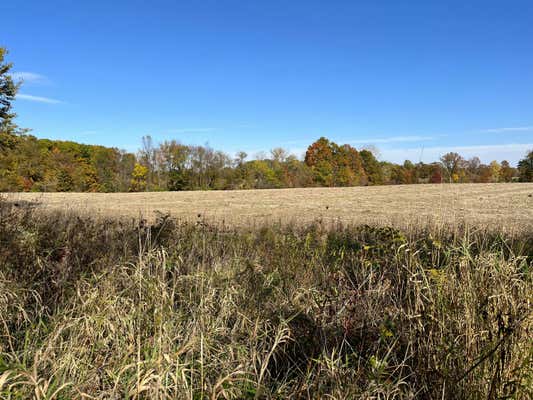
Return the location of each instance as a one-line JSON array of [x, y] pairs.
[[416, 78]]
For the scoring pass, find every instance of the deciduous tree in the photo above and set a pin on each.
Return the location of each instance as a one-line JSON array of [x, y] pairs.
[[525, 168], [452, 162], [138, 178], [507, 172], [372, 167]]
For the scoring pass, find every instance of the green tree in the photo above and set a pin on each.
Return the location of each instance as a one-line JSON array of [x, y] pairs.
[[240, 178], [65, 183], [8, 91], [323, 173], [173, 159], [262, 174], [525, 168], [106, 163], [372, 167], [9, 139]]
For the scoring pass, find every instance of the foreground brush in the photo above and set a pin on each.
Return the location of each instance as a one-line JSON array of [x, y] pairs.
[[106, 309]]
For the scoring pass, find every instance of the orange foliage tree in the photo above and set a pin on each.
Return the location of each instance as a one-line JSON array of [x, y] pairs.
[[334, 165]]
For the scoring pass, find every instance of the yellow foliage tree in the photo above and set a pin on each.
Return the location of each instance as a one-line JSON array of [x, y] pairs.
[[495, 169], [138, 178]]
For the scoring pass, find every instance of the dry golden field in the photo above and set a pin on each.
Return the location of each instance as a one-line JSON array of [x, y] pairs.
[[102, 309], [507, 206]]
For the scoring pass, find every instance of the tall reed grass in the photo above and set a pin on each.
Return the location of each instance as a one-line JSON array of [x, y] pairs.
[[108, 309]]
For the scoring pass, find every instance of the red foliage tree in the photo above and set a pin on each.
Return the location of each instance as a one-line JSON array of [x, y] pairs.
[[436, 176]]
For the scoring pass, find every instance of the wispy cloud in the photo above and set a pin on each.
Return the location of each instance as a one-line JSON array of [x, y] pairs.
[[38, 99], [508, 151], [29, 77], [509, 129], [393, 139]]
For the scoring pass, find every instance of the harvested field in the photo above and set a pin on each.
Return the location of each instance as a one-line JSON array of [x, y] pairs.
[[505, 206]]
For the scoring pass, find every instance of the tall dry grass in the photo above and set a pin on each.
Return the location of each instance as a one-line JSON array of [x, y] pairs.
[[106, 309]]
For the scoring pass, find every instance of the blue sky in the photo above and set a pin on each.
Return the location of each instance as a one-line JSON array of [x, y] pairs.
[[414, 78]]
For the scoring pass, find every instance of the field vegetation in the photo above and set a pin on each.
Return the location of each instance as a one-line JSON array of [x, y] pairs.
[[103, 308], [507, 207]]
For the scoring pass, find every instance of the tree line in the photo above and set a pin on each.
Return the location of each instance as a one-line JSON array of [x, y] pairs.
[[31, 164]]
